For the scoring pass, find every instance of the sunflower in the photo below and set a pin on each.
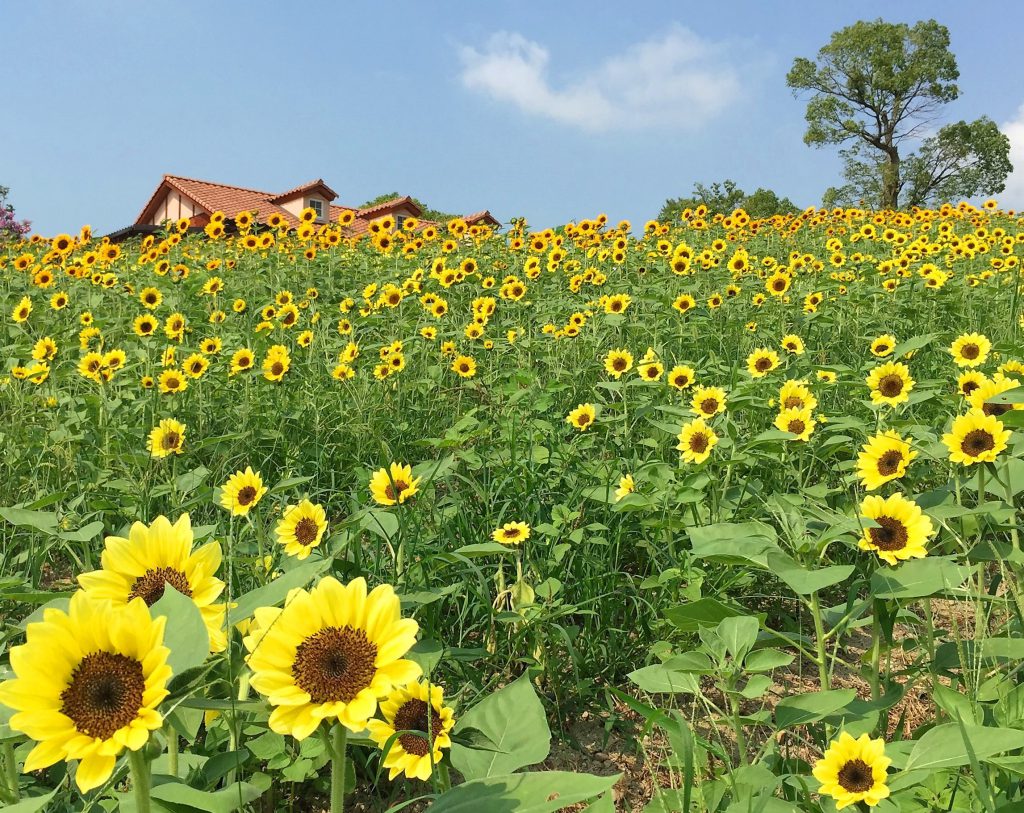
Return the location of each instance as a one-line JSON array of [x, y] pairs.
[[511, 533], [87, 685], [151, 298], [883, 458], [970, 349], [696, 440], [793, 344], [413, 713], [301, 528], [464, 366], [795, 393], [581, 417], [394, 485], [982, 397], [854, 771], [331, 653], [890, 383], [154, 556], [172, 381], [242, 360], [650, 370], [242, 491], [195, 365], [883, 345], [684, 303], [976, 438], [681, 376], [762, 361], [968, 381], [618, 362], [22, 310], [900, 531], [276, 363], [167, 438], [44, 349], [708, 401], [796, 420], [617, 303], [626, 486]]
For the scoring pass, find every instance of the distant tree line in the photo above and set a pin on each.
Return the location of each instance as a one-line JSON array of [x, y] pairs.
[[428, 214], [724, 197]]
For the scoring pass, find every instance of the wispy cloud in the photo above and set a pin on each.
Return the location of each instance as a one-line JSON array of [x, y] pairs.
[[1013, 195], [673, 80]]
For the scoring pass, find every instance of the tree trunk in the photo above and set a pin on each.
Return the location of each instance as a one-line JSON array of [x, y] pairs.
[[891, 179]]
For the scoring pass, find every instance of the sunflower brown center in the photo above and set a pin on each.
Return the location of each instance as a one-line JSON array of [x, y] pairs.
[[619, 364], [150, 585], [889, 462], [709, 406], [510, 533], [890, 385], [277, 368], [977, 442], [334, 664], [797, 426], [970, 351], [763, 364], [246, 494], [412, 716], [968, 387], [698, 442], [793, 401], [855, 776], [996, 409], [172, 440], [105, 693], [890, 535], [305, 531]]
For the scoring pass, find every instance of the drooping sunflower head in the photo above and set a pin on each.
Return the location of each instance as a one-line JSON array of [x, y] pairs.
[[417, 715], [301, 528], [626, 486], [331, 653], [899, 528], [854, 770], [157, 555], [87, 685]]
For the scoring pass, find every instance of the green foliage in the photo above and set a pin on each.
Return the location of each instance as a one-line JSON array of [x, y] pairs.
[[878, 85], [725, 197]]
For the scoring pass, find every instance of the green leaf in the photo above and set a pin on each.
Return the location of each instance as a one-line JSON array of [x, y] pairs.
[[383, 523], [763, 660], [274, 593], [809, 708], [185, 633], [513, 719], [738, 634], [805, 581], [918, 578], [944, 745], [34, 803], [45, 521], [660, 678], [734, 543], [538, 792], [705, 612], [484, 549], [230, 798]]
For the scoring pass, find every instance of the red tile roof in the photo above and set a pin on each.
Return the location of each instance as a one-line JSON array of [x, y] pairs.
[[318, 185]]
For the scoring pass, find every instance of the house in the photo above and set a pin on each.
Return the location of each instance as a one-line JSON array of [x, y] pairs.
[[177, 197]]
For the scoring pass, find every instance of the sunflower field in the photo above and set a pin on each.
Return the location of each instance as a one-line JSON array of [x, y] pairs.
[[716, 515]]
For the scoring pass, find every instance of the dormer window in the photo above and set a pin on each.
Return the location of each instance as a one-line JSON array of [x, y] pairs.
[[318, 207], [399, 220]]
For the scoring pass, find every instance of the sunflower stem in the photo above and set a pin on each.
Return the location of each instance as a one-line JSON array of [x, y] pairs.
[[10, 769], [819, 642], [876, 653], [140, 780], [339, 747], [172, 751]]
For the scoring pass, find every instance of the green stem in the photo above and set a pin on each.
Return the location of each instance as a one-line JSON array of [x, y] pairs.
[[172, 751], [741, 740], [339, 745], [819, 642], [876, 654], [140, 780], [10, 769]]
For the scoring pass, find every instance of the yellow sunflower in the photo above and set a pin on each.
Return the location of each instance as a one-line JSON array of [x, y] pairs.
[[626, 486], [976, 438], [890, 383], [87, 685], [796, 394], [696, 440], [983, 396], [883, 458], [154, 556], [242, 491], [854, 770], [581, 417], [167, 438], [883, 345], [761, 362], [618, 362], [511, 533], [793, 344], [331, 653], [393, 485], [968, 381], [413, 713], [970, 350], [796, 420], [708, 401], [681, 376], [171, 381], [301, 528], [242, 360], [900, 531], [464, 366]]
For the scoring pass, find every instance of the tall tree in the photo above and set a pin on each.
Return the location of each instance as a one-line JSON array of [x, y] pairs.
[[877, 86]]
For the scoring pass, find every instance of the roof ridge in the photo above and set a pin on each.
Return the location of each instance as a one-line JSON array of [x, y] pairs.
[[224, 185]]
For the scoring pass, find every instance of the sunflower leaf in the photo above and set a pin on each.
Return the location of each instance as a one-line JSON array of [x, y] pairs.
[[185, 634]]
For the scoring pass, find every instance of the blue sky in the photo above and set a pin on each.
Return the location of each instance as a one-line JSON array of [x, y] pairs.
[[554, 111]]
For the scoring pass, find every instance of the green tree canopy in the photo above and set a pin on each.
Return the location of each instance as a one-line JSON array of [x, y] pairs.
[[877, 86], [428, 213], [724, 197]]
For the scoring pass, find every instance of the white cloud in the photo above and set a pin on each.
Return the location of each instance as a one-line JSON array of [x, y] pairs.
[[1013, 196], [675, 80]]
